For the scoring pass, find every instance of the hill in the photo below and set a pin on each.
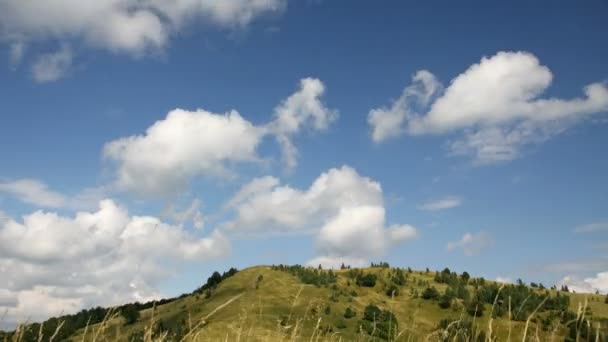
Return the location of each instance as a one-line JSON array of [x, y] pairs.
[[273, 303]]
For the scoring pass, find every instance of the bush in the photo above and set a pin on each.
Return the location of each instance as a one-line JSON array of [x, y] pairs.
[[430, 293], [445, 301], [307, 275], [368, 280], [130, 314], [349, 313], [392, 290], [475, 308], [385, 322]]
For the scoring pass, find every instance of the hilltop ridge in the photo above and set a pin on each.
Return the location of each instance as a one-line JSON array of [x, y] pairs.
[[376, 303]]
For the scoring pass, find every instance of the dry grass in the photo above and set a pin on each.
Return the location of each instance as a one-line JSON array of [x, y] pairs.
[[231, 319]]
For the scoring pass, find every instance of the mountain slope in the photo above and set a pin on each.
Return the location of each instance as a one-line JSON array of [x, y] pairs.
[[266, 303]]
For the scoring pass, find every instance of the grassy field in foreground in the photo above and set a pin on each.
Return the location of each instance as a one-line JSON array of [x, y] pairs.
[[268, 304]]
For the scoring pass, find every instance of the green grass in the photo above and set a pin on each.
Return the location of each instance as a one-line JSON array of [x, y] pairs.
[[281, 307]]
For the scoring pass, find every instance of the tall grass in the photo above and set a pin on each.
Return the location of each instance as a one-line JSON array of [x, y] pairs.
[[252, 328]]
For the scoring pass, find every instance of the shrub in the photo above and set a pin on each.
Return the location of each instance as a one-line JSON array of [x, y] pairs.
[[445, 301], [475, 308], [130, 314], [385, 322], [430, 293], [368, 280], [392, 290], [349, 313]]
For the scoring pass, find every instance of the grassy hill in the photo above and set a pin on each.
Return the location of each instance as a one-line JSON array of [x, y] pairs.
[[270, 303]]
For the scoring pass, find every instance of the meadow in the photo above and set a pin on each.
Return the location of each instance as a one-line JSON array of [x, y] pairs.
[[380, 303]]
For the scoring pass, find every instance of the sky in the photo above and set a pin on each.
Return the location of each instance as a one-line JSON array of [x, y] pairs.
[[145, 144]]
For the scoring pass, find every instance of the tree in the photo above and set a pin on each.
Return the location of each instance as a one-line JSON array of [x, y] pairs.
[[215, 279], [130, 313], [465, 277]]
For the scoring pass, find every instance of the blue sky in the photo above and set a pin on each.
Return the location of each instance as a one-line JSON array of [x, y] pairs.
[[467, 135]]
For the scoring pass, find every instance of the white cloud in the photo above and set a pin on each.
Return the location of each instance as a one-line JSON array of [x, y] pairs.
[[388, 123], [343, 209], [498, 104], [131, 26], [256, 186], [587, 285], [592, 227], [33, 191], [192, 213], [402, 232], [52, 66], [599, 282], [507, 280], [472, 243], [303, 108], [38, 193], [189, 144], [336, 262], [180, 147], [442, 204], [281, 207], [357, 230], [51, 264]]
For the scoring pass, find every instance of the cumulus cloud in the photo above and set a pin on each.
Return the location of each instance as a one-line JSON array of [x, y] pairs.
[[183, 145], [507, 280], [497, 104], [129, 26], [337, 261], [442, 204], [300, 109], [587, 285], [188, 144], [192, 213], [52, 66], [388, 122], [51, 263], [34, 192], [38, 194], [472, 243], [344, 210]]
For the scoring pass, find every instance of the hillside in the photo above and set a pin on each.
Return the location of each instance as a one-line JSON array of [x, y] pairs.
[[270, 303]]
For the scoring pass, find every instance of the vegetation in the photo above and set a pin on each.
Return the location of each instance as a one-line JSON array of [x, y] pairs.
[[307, 275], [367, 280], [130, 313], [379, 323], [297, 303]]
